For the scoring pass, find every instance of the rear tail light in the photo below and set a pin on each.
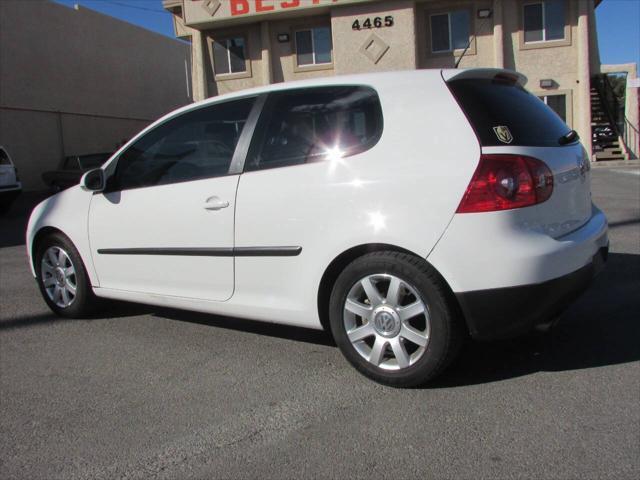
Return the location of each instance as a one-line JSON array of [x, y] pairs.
[[503, 182]]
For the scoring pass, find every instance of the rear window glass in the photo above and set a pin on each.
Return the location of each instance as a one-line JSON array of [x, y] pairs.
[[491, 105], [312, 124]]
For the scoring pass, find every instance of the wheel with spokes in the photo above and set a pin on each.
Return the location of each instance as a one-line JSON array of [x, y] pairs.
[[393, 319], [62, 277]]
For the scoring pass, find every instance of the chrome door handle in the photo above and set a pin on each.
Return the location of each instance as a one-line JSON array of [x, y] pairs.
[[214, 203]]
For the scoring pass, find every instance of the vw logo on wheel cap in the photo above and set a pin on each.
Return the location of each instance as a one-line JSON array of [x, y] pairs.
[[386, 322]]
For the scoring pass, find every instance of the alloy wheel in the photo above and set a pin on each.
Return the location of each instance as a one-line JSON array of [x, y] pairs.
[[58, 276], [386, 321]]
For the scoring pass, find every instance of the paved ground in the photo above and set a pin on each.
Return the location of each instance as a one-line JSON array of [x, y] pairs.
[[144, 392]]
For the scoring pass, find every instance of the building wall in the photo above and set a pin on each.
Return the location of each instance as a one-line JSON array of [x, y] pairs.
[[480, 52], [283, 67], [555, 61], [37, 140], [81, 85], [400, 39], [225, 84]]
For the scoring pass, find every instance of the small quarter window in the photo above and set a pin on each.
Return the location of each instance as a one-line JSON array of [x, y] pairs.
[[313, 46], [544, 21], [450, 31], [309, 125], [229, 56], [195, 145]]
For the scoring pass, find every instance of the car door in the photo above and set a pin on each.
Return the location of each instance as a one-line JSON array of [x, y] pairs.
[[302, 197], [165, 223]]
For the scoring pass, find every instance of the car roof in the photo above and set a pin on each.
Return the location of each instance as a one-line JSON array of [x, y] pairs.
[[371, 79], [374, 80]]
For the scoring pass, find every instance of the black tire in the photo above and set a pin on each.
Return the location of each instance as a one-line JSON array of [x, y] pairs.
[[85, 301], [447, 330]]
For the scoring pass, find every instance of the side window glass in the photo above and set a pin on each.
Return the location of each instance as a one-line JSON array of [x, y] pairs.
[[312, 124], [197, 144]]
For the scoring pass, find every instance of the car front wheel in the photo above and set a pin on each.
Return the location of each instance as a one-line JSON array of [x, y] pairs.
[[62, 278], [394, 320]]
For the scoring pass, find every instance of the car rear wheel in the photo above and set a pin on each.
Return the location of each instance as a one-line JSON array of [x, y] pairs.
[[394, 320], [62, 278]]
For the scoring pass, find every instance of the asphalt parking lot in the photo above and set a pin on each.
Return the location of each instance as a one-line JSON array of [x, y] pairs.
[[144, 392]]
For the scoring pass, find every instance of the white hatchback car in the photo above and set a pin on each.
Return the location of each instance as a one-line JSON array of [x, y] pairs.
[[402, 211], [10, 185]]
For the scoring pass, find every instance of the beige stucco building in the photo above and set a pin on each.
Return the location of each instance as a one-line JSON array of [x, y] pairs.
[[74, 82], [238, 44]]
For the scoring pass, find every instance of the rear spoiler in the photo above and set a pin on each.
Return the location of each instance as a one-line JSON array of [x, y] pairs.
[[518, 78]]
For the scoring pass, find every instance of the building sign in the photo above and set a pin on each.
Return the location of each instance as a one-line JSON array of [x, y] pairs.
[[369, 23], [199, 12]]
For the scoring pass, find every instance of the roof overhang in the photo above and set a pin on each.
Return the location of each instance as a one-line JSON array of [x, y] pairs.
[[172, 5], [204, 14]]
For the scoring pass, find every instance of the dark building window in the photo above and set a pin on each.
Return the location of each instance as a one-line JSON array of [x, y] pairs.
[[557, 103], [229, 55], [544, 21], [313, 46], [450, 31]]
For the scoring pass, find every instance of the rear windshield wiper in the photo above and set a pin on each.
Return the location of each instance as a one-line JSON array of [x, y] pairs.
[[570, 137]]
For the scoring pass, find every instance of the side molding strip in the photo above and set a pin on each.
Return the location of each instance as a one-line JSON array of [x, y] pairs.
[[267, 251], [207, 252]]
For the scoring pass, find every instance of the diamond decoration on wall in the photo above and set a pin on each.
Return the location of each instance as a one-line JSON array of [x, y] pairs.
[[374, 48], [211, 6]]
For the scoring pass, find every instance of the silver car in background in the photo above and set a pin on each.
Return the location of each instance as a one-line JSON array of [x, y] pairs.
[[10, 185]]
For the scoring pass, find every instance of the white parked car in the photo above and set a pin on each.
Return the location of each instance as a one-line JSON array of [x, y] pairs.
[[402, 211], [10, 185]]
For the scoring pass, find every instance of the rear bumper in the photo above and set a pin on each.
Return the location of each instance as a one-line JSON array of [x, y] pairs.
[[510, 276], [508, 312]]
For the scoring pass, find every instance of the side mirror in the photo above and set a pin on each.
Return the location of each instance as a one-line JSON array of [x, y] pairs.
[[93, 180]]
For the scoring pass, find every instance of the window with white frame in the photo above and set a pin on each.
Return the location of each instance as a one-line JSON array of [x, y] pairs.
[[450, 31], [557, 103], [544, 21], [313, 46], [229, 55]]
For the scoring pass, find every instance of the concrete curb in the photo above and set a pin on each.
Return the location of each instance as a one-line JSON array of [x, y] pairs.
[[615, 163]]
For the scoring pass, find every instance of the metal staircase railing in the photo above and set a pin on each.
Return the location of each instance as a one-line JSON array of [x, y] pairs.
[[608, 131], [630, 138]]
